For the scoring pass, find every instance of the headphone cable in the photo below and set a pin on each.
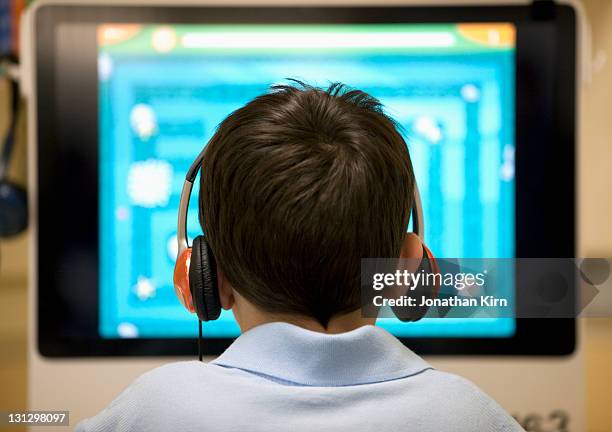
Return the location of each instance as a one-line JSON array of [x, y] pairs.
[[9, 139], [200, 339]]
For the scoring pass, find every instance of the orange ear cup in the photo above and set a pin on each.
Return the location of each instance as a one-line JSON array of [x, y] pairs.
[[181, 280]]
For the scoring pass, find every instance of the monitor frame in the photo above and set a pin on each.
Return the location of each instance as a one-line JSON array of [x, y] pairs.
[[66, 161]]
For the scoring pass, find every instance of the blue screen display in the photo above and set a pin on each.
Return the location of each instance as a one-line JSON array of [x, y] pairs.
[[164, 89]]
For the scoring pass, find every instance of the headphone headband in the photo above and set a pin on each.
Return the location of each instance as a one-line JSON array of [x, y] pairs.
[[418, 222], [181, 233], [418, 225]]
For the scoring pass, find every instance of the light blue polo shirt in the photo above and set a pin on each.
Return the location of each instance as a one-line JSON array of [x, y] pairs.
[[280, 377]]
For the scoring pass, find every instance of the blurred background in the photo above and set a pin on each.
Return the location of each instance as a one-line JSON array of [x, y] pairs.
[[594, 229]]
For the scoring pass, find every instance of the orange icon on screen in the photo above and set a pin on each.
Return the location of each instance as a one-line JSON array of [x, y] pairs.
[[110, 34], [491, 34]]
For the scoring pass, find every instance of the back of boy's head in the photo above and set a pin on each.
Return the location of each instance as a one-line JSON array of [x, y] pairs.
[[296, 187]]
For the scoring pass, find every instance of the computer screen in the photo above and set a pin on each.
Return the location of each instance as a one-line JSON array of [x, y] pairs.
[[163, 89]]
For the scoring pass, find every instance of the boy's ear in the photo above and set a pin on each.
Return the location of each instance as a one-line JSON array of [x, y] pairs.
[[226, 291], [412, 247]]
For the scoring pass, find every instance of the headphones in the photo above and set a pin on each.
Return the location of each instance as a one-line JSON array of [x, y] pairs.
[[13, 201], [195, 271]]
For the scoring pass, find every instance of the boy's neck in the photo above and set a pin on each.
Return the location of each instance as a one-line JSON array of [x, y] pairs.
[[338, 324]]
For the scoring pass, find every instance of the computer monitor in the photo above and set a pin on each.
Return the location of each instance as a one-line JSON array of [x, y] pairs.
[[135, 93]]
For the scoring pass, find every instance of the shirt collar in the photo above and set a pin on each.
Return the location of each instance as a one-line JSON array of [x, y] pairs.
[[285, 352]]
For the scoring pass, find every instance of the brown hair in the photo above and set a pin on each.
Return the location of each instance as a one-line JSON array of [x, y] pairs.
[[296, 187]]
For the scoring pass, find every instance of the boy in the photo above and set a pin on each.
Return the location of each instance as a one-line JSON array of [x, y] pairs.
[[296, 187]]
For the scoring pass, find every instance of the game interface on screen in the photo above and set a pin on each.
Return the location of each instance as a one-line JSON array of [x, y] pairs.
[[164, 88]]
